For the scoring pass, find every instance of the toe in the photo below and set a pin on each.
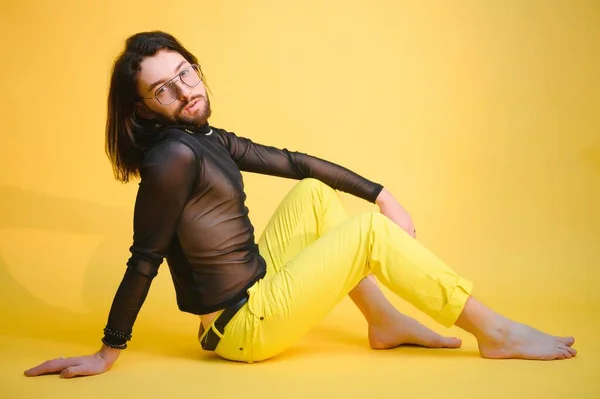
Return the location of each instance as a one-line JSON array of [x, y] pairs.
[[452, 342], [566, 350], [569, 341], [562, 353], [572, 351]]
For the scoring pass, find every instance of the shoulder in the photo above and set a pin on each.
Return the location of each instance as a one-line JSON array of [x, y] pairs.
[[172, 150], [221, 132], [226, 137]]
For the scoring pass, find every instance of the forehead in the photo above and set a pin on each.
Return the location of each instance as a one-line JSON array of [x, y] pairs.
[[161, 66]]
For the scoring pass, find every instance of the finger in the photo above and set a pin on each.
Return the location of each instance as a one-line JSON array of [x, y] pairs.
[[51, 366], [79, 370]]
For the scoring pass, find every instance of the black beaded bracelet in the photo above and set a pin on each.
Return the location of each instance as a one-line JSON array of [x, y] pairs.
[[117, 334], [114, 346]]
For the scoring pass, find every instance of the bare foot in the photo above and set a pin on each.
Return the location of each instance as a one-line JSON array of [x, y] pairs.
[[513, 340], [399, 329]]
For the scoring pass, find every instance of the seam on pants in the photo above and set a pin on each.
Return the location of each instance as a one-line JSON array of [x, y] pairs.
[[456, 302]]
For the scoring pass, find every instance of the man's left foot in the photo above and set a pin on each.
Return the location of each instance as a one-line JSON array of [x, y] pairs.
[[399, 329]]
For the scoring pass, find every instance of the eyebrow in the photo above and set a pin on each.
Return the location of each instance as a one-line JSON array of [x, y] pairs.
[[153, 85]]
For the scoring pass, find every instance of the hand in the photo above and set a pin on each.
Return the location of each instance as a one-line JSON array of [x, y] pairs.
[[97, 363], [395, 212]]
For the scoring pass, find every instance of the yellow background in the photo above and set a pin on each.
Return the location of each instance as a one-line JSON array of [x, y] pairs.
[[482, 117]]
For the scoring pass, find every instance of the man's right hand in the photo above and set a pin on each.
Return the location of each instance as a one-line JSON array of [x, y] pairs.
[[97, 363], [389, 207]]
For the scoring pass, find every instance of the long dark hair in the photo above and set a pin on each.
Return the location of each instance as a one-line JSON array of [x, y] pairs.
[[125, 131]]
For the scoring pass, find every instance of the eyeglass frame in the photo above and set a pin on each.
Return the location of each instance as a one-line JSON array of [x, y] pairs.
[[195, 67]]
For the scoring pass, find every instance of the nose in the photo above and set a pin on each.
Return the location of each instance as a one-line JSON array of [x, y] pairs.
[[184, 92]]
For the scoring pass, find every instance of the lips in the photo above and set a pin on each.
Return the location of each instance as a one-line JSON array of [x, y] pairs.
[[191, 105]]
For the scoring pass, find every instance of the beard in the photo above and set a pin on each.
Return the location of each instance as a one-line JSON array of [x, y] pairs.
[[199, 118]]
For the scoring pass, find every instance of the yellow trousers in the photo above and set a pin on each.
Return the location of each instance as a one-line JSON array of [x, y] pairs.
[[316, 254]]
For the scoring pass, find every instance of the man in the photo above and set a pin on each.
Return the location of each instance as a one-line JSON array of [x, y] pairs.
[[255, 301]]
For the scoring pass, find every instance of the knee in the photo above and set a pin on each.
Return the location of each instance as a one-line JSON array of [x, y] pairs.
[[313, 186], [310, 183], [375, 217], [374, 220]]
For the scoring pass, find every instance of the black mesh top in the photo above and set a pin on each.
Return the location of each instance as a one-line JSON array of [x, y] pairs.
[[190, 210]]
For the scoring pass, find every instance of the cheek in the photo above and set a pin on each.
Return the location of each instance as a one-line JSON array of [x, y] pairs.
[[160, 112], [167, 110], [201, 89], [172, 109]]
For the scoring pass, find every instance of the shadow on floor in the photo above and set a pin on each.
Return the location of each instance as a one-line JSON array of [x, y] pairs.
[[29, 317]]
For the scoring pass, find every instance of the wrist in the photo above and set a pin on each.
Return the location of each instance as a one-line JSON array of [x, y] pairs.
[[383, 197], [110, 355]]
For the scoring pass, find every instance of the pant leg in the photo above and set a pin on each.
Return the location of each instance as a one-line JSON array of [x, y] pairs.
[[307, 212], [288, 303]]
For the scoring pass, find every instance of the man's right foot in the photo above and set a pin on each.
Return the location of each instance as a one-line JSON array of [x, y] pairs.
[[511, 340], [398, 329]]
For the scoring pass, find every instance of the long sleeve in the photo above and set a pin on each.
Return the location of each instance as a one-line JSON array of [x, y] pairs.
[[257, 158], [167, 178]]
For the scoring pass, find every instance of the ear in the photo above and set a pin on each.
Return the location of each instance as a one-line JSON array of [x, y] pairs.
[[143, 110]]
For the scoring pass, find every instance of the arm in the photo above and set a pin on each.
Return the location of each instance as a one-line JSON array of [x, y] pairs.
[[167, 178], [252, 157], [257, 158], [394, 211]]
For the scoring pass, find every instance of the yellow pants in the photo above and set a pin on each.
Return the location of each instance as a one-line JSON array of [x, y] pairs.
[[315, 256]]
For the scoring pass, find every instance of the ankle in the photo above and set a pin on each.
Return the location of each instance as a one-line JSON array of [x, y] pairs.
[[378, 318], [481, 321]]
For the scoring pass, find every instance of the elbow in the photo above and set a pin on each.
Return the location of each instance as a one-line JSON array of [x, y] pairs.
[[144, 265]]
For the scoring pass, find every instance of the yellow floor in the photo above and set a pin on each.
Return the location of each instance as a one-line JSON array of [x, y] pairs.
[[332, 361], [480, 116]]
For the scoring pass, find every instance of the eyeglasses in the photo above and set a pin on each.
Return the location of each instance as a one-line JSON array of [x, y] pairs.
[[167, 93]]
